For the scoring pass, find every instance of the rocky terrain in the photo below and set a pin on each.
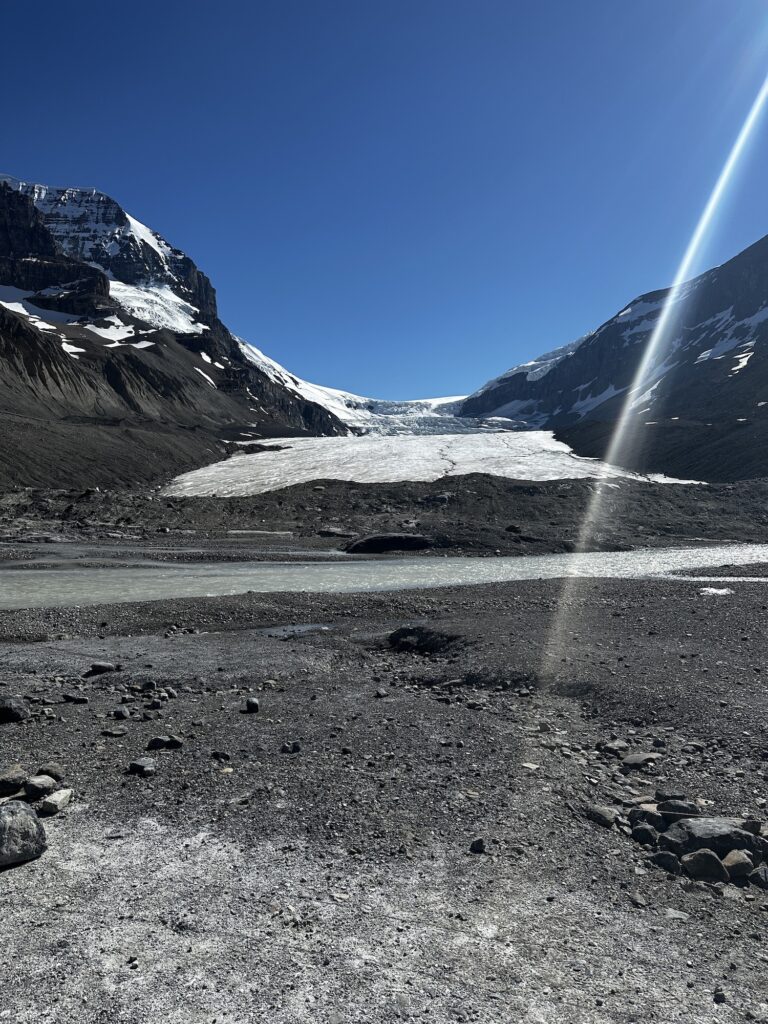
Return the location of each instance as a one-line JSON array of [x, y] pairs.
[[386, 807], [474, 514]]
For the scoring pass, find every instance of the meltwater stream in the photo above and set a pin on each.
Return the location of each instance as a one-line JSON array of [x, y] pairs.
[[40, 588]]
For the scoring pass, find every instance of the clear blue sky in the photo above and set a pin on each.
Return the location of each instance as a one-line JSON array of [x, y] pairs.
[[400, 197]]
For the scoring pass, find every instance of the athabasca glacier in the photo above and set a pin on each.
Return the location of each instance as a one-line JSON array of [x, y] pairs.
[[519, 455]]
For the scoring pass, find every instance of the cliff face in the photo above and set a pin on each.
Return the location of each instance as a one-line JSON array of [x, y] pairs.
[[702, 409], [105, 324]]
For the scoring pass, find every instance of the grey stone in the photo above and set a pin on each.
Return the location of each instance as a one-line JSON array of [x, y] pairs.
[[640, 760], [38, 786], [645, 834], [666, 861], [290, 747], [605, 816], [759, 876], [22, 836], [98, 668], [704, 866], [674, 810], [52, 768], [55, 802], [12, 779], [143, 766], [252, 705], [165, 743], [738, 864], [718, 834], [14, 709], [477, 846]]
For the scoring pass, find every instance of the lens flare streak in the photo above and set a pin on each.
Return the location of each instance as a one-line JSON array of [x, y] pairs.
[[620, 445]]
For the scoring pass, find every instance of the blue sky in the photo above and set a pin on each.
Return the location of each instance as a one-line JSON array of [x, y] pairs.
[[403, 197]]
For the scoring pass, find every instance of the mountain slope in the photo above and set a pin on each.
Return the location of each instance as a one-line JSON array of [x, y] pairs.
[[703, 407], [103, 324]]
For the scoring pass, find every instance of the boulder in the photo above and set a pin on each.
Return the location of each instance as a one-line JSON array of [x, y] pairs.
[[721, 835], [605, 816], [12, 779], [99, 668], [55, 802], [704, 866], [38, 786], [143, 766], [645, 834], [634, 762], [14, 709], [738, 864], [378, 543], [674, 810], [22, 836], [759, 876], [165, 743], [667, 861]]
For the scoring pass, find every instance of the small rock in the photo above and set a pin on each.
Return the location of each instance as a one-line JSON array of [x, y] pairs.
[[14, 709], [719, 996], [38, 786], [759, 876], [704, 866], [117, 730], [477, 846], [12, 779], [52, 768], [668, 793], [674, 810], [645, 834], [144, 767], [165, 743], [667, 861], [74, 697], [22, 836], [252, 706], [221, 755], [290, 747], [381, 692], [98, 668], [738, 864], [55, 802], [640, 760], [605, 816], [121, 714]]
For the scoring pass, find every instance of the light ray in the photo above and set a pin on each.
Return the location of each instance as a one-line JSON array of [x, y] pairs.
[[619, 448]]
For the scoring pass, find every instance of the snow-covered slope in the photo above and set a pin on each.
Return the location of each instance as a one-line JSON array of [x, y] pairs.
[[373, 415]]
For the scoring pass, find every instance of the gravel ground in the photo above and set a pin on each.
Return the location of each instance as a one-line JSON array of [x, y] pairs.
[[335, 882]]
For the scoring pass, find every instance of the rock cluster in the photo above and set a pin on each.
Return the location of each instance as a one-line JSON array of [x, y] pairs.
[[24, 799], [44, 789], [682, 840]]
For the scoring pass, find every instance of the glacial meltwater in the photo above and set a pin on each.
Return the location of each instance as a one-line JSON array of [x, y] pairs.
[[42, 587]]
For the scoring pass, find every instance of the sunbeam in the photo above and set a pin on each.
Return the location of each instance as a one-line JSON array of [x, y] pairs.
[[619, 450]]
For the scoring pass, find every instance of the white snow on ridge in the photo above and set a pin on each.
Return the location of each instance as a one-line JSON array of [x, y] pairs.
[[521, 455], [157, 305]]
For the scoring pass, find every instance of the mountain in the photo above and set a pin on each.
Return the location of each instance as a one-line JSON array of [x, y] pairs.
[[115, 365], [703, 408]]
